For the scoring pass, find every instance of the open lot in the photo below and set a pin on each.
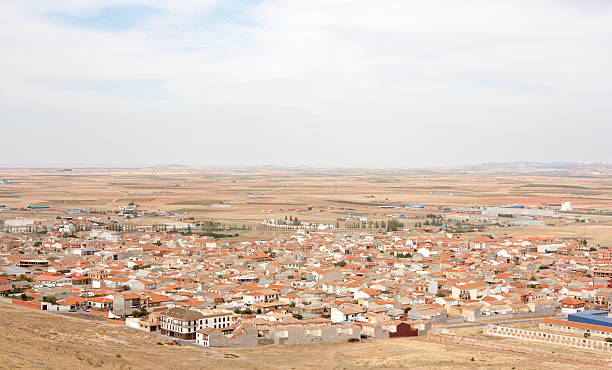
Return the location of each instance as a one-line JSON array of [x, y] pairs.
[[477, 333]]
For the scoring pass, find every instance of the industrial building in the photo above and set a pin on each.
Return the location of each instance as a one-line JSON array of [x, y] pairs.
[[592, 317]]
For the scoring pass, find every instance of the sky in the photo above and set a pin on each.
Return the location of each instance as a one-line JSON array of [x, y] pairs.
[[330, 83]]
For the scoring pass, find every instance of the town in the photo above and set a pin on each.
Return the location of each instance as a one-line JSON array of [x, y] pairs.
[[305, 184], [438, 272]]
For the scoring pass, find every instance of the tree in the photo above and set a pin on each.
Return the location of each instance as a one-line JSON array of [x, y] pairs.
[[140, 313], [49, 300]]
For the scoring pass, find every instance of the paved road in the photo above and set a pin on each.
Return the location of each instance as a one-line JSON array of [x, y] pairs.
[[489, 322]]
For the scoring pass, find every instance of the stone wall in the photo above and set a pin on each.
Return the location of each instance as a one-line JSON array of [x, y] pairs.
[[567, 329], [297, 335], [558, 339], [246, 339]]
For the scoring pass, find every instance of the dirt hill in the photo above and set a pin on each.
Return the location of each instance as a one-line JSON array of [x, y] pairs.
[[34, 339]]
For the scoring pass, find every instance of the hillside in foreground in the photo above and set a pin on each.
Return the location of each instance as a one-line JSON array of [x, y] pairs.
[[33, 339]]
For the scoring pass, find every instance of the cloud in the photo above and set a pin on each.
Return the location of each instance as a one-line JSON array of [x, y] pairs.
[[391, 80], [115, 18]]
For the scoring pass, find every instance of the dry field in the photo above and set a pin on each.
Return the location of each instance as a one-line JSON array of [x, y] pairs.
[[34, 339], [275, 192], [477, 333]]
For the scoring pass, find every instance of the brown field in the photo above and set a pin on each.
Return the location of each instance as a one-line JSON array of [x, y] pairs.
[[34, 339], [275, 192], [477, 333]]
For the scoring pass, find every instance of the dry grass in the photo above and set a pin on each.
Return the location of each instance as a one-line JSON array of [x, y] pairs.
[[477, 333], [34, 339]]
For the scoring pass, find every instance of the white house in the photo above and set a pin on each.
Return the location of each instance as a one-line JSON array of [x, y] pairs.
[[341, 314]]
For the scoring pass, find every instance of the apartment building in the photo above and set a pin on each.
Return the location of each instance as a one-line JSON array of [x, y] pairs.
[[180, 323]]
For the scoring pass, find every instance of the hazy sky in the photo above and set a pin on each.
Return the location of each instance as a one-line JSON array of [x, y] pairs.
[[305, 82]]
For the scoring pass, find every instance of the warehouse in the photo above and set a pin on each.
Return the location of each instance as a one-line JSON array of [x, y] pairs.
[[593, 317]]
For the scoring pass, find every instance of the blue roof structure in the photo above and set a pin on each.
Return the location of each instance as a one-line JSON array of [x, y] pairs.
[[593, 317]]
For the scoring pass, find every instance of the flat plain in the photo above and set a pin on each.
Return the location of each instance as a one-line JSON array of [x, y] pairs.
[[255, 194]]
